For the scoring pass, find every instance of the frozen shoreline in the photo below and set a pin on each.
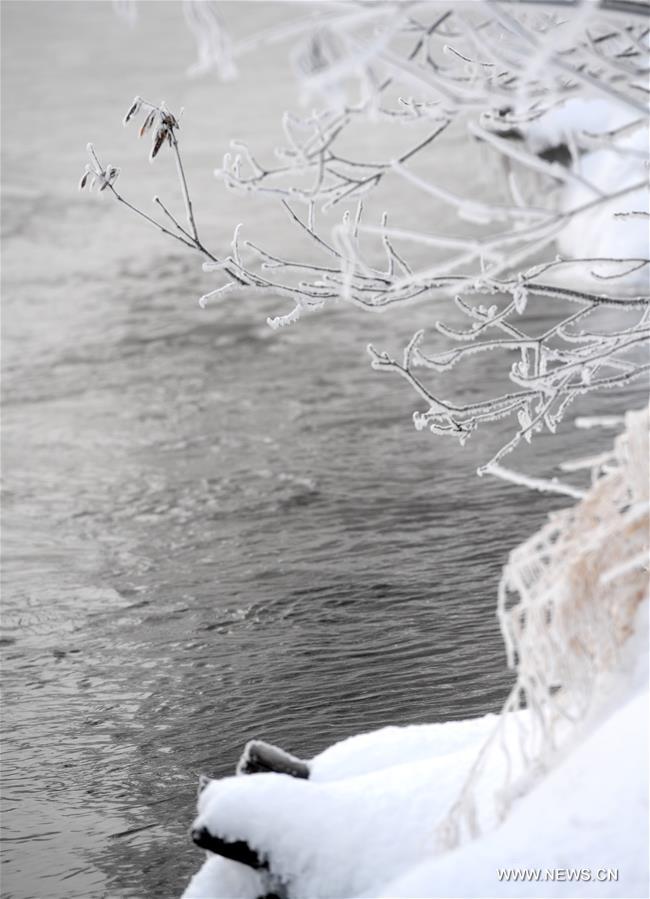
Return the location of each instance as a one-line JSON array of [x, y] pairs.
[[351, 834], [439, 810]]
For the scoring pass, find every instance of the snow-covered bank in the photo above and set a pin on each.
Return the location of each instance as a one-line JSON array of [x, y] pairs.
[[373, 834], [608, 148], [367, 813], [590, 813], [438, 810]]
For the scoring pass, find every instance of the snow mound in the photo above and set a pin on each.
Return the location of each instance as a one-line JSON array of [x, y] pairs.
[[389, 746], [609, 150], [368, 812], [590, 814], [375, 834]]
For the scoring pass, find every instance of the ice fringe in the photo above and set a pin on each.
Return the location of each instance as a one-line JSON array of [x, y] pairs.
[[380, 811]]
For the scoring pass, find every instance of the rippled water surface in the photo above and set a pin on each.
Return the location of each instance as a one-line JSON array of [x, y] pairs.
[[211, 531]]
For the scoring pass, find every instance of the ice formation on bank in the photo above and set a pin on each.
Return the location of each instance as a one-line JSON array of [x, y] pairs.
[[438, 810]]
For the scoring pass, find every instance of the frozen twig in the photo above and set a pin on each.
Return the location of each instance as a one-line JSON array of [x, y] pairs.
[[487, 73]]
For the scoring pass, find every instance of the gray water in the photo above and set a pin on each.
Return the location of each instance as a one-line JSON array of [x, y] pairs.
[[212, 532]]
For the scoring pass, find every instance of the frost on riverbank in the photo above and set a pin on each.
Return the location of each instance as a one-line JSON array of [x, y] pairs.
[[558, 781]]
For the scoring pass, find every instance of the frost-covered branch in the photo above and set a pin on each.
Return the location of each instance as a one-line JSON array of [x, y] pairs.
[[552, 94], [163, 125], [552, 368]]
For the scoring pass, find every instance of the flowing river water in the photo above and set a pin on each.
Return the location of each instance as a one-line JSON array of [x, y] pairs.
[[211, 531]]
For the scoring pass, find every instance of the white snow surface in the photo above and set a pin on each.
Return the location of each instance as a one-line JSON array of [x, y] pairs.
[[599, 232], [575, 116], [346, 833], [390, 746], [367, 813], [589, 813], [220, 878]]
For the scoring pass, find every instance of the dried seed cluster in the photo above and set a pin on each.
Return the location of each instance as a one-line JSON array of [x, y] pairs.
[[157, 119], [95, 173]]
